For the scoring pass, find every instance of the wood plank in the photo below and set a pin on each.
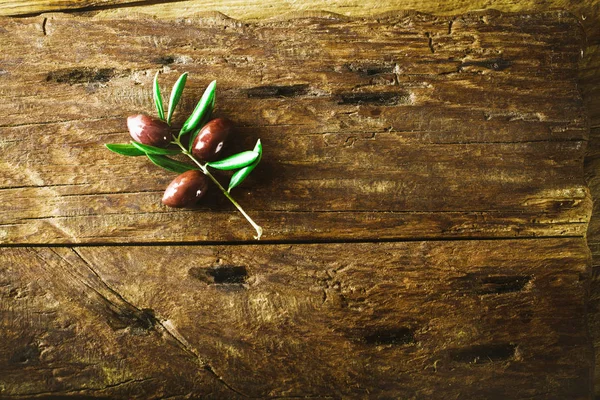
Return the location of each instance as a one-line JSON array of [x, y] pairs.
[[246, 9], [587, 10], [409, 127], [438, 320], [589, 75]]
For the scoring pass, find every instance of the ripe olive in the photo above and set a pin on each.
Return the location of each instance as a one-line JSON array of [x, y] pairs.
[[208, 145], [148, 130], [186, 189]]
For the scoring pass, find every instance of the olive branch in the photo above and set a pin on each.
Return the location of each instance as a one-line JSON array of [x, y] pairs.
[[156, 151]]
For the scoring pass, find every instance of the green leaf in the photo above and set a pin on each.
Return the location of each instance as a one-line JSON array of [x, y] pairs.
[[235, 161], [204, 108], [158, 98], [258, 148], [176, 95], [124, 149], [239, 176], [169, 164], [154, 150], [203, 122]]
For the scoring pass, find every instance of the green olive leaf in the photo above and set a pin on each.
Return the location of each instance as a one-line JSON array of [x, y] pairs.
[[239, 176], [169, 164], [158, 98], [235, 161], [258, 147], [176, 95], [204, 108], [153, 150], [124, 149]]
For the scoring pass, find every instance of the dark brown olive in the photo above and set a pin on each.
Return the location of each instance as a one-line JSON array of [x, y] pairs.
[[186, 189], [208, 145], [149, 130]]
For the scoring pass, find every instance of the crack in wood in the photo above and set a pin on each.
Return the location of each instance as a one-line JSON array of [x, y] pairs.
[[300, 397], [577, 221], [485, 353], [93, 6], [386, 99], [285, 242], [79, 390], [63, 121], [51, 185], [390, 336], [234, 275], [166, 325], [191, 351], [495, 64], [430, 42], [492, 284], [264, 92], [122, 313], [108, 193], [84, 75]]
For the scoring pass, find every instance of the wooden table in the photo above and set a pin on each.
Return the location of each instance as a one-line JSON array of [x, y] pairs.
[[422, 194]]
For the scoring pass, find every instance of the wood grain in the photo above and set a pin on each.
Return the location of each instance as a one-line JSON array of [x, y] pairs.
[[403, 126], [587, 10], [419, 320], [412, 126]]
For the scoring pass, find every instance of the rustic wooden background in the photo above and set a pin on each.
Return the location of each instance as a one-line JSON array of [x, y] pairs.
[[346, 298]]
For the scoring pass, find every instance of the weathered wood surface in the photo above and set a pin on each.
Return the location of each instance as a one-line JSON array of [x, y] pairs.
[[587, 10], [501, 319], [590, 85], [402, 127], [397, 127]]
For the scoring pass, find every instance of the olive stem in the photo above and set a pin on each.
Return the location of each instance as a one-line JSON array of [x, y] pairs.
[[205, 171]]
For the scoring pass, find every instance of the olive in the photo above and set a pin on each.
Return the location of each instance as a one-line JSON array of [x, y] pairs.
[[186, 189], [208, 145], [148, 130]]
